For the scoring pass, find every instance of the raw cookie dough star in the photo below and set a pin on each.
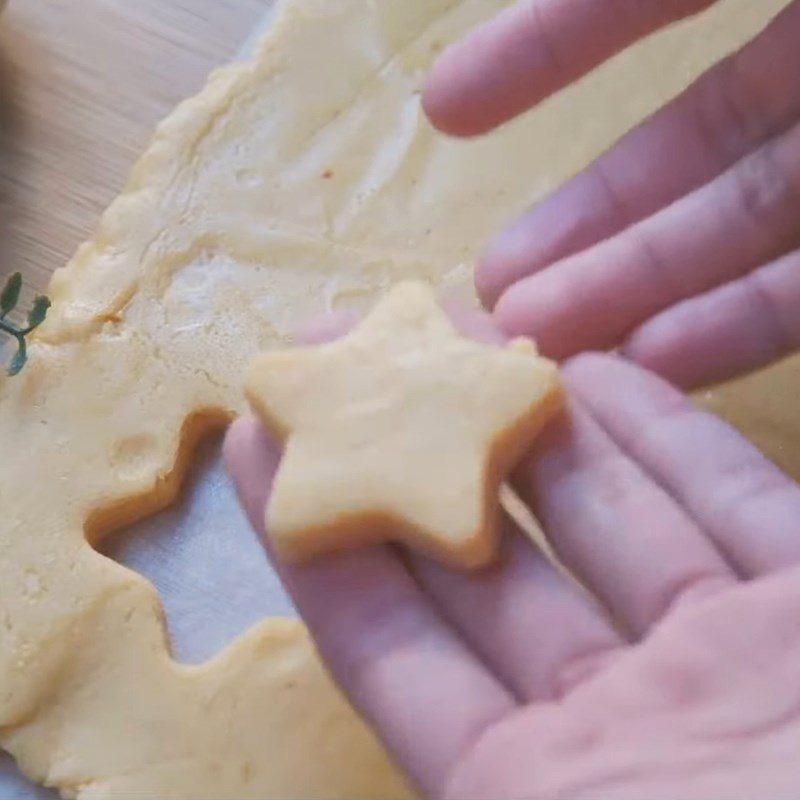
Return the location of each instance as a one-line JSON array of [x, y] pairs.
[[402, 430]]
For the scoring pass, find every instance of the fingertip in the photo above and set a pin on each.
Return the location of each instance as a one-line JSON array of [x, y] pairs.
[[443, 96], [235, 438], [325, 328], [244, 435], [474, 323], [496, 72], [508, 258], [442, 100], [435, 97], [560, 308], [251, 456], [464, 93], [488, 285], [514, 312]]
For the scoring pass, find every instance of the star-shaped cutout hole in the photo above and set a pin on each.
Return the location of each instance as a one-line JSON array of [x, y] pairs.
[[401, 430]]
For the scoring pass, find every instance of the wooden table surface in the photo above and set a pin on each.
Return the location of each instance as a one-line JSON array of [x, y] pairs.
[[82, 84]]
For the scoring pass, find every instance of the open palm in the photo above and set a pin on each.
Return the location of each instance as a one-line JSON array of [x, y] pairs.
[[680, 244], [677, 677]]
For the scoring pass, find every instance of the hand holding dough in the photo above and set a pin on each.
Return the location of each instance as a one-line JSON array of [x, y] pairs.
[[401, 430], [281, 189]]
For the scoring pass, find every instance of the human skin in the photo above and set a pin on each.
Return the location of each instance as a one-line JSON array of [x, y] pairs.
[[680, 244], [672, 673]]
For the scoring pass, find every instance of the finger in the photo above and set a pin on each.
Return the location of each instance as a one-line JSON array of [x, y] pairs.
[[734, 329], [475, 323], [748, 507], [619, 532], [468, 320], [532, 49], [538, 631], [740, 103], [325, 327], [561, 638], [388, 648], [744, 218]]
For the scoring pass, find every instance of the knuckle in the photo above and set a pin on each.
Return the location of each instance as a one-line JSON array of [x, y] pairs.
[[742, 483], [767, 189], [722, 113]]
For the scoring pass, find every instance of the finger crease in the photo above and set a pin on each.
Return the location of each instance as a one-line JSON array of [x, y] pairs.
[[743, 486], [691, 589], [582, 666], [782, 336], [666, 290], [395, 625], [474, 740], [764, 188], [542, 32], [621, 210], [730, 131]]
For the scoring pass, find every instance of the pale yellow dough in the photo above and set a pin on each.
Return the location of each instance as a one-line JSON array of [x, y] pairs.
[[401, 430], [304, 180]]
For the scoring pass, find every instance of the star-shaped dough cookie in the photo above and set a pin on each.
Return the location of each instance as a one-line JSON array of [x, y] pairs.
[[402, 430]]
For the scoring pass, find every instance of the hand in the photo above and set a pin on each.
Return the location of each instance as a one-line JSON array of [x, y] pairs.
[[676, 678], [680, 244]]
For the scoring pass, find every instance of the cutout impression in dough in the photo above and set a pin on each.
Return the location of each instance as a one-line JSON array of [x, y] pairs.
[[402, 430], [305, 179]]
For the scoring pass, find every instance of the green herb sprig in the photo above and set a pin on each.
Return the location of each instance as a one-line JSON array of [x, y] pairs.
[[9, 298]]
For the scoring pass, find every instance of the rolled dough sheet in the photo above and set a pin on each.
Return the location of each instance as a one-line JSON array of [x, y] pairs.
[[304, 181]]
